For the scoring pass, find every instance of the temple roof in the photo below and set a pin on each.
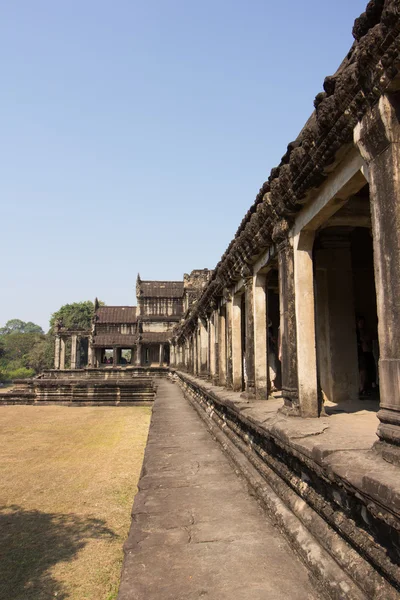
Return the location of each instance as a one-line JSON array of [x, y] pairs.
[[116, 314], [160, 289]]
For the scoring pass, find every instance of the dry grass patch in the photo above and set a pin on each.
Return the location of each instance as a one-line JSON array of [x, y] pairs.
[[67, 481]]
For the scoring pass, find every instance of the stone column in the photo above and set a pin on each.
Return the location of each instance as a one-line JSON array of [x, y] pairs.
[[203, 349], [91, 354], [222, 345], [378, 139], [172, 355], [97, 357], [236, 328], [288, 332], [138, 354], [115, 357], [305, 323], [161, 355], [195, 351], [336, 319], [57, 352], [62, 354], [73, 351], [228, 322], [216, 345], [249, 333], [260, 335], [78, 352], [211, 346]]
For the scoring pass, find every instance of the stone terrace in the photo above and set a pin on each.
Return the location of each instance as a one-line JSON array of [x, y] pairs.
[[196, 531]]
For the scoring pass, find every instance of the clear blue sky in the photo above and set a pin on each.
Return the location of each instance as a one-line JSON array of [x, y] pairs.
[[135, 135]]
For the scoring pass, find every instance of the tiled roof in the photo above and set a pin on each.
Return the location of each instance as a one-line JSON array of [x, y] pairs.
[[116, 314], [107, 340], [161, 289]]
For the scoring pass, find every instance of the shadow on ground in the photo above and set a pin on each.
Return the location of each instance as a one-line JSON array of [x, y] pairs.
[[32, 542], [370, 404]]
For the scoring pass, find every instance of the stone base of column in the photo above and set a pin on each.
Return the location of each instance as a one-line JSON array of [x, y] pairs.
[[389, 452], [262, 393], [389, 435], [291, 406], [249, 394]]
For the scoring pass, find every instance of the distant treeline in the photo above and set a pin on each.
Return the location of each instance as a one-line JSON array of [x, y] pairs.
[[26, 350]]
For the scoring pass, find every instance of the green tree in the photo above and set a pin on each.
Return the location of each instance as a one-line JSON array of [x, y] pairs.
[[18, 346], [18, 326], [77, 315], [41, 356], [23, 354], [32, 328]]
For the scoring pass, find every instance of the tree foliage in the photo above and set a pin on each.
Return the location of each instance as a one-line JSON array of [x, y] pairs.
[[24, 354], [77, 315], [18, 326], [26, 350]]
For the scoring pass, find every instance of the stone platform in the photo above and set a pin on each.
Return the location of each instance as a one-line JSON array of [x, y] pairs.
[[324, 471], [196, 531], [84, 387]]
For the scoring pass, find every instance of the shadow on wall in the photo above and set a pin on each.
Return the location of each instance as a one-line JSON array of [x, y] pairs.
[[32, 542]]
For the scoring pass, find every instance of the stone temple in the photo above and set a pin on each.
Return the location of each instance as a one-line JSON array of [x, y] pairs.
[[142, 332], [289, 350]]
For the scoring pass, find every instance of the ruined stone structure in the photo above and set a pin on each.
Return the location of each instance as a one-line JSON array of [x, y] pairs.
[[305, 300], [144, 330], [84, 387], [79, 343], [311, 285], [327, 223]]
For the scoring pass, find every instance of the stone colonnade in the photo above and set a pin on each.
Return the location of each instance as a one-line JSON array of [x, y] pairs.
[[138, 359], [78, 353], [59, 351], [226, 341]]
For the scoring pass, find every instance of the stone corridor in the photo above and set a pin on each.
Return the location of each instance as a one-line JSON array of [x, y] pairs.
[[196, 530]]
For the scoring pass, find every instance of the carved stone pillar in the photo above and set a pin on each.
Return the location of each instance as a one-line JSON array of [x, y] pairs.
[[288, 341], [260, 335], [98, 357], [73, 351], [305, 323], [249, 333], [57, 352], [115, 357], [222, 345], [195, 352], [161, 355], [62, 354], [228, 321], [236, 332], [216, 345], [202, 349], [91, 353], [172, 355], [78, 352], [138, 354], [378, 139], [211, 346]]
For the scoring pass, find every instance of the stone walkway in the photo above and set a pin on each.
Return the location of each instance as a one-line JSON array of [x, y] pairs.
[[196, 531]]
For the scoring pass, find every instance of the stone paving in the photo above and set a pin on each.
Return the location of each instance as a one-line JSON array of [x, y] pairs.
[[196, 531]]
